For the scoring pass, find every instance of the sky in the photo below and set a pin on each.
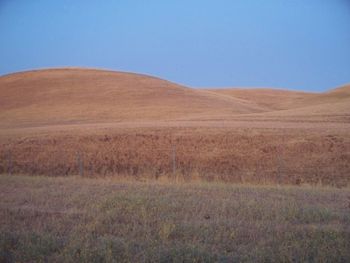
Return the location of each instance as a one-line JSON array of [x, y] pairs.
[[293, 44]]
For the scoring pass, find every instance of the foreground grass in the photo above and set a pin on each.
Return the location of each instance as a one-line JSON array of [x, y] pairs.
[[101, 220]]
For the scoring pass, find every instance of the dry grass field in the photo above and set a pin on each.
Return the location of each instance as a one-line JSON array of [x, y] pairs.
[[102, 123], [73, 219]]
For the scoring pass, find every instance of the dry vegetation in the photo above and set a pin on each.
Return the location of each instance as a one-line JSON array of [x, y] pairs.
[[102, 220], [239, 155]]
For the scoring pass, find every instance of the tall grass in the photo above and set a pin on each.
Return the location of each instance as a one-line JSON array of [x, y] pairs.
[[79, 220]]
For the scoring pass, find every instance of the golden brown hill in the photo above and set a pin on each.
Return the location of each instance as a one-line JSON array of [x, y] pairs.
[[73, 95]]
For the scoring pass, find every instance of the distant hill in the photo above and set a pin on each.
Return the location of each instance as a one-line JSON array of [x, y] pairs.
[[74, 95]]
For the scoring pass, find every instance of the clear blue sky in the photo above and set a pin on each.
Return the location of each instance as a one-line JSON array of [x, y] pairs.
[[295, 44]]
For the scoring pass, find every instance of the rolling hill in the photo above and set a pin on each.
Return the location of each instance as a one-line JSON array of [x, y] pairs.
[[74, 95], [89, 96]]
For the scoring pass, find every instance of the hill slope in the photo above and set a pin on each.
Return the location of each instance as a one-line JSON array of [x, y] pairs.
[[76, 95], [285, 105], [271, 99], [276, 99]]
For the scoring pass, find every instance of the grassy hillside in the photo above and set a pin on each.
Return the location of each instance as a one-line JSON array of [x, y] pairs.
[[75, 96]]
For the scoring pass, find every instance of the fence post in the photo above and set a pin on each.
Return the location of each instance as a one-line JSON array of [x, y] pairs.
[[280, 165], [174, 159], [9, 163], [80, 162]]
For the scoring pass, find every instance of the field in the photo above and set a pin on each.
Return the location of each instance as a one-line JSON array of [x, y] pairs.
[[72, 219], [282, 156]]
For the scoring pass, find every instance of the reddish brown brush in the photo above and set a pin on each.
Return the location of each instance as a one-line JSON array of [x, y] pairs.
[[210, 154]]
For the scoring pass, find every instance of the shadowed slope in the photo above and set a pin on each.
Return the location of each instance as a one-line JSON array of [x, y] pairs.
[[285, 105], [275, 99], [334, 102], [271, 99]]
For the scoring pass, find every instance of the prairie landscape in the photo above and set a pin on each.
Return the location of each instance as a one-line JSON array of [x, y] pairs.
[[104, 166], [174, 131]]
